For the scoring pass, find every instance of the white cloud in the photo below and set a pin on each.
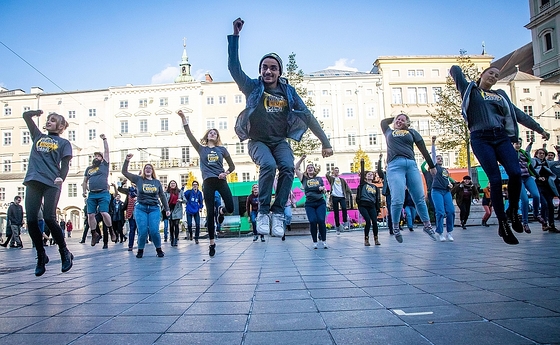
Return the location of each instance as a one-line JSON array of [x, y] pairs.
[[342, 64], [167, 75]]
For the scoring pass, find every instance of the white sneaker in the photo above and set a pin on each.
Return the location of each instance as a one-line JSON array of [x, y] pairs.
[[449, 237], [278, 224], [263, 224], [314, 245], [346, 226], [325, 245], [441, 237]]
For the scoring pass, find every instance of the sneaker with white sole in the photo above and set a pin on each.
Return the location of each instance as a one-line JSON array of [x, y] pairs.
[[263, 224], [314, 245], [441, 237], [449, 237], [325, 245], [398, 236], [278, 224], [428, 229]]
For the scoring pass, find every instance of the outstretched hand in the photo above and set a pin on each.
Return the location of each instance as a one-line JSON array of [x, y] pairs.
[[237, 26], [129, 156], [327, 153], [545, 135]]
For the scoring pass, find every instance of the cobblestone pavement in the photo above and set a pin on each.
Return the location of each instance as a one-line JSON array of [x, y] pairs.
[[475, 290]]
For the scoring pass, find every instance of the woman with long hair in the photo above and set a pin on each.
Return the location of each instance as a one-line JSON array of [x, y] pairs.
[[175, 200], [315, 204], [402, 170], [547, 189], [369, 203], [49, 161], [147, 211], [492, 122], [212, 155]]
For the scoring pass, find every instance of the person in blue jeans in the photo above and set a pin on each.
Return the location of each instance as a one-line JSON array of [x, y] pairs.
[[528, 184], [441, 197], [403, 172], [147, 211], [194, 200], [315, 204], [409, 210], [492, 122], [252, 207], [273, 113]]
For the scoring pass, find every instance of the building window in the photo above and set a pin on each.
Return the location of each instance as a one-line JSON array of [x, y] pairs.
[[164, 125], [144, 155], [21, 192], [557, 115], [412, 95], [72, 135], [348, 92], [210, 124], [209, 100], [330, 167], [529, 136], [71, 114], [371, 111], [547, 41], [2, 194], [528, 109], [25, 138], [245, 177], [185, 154], [526, 90], [7, 165], [411, 73], [351, 139], [124, 126], [419, 72], [142, 103], [184, 100], [326, 113], [92, 112], [397, 95], [163, 181], [123, 104], [143, 126], [436, 93], [422, 95], [395, 73], [24, 164], [325, 92], [222, 124], [222, 99], [184, 179], [165, 153], [424, 127], [239, 148], [372, 139], [7, 111], [163, 102], [92, 134], [7, 139], [435, 72], [26, 109], [72, 190], [350, 112], [238, 99]]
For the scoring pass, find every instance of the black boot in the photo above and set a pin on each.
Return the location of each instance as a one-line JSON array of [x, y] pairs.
[[140, 253], [516, 224], [66, 257], [42, 260], [212, 250], [506, 234], [160, 253]]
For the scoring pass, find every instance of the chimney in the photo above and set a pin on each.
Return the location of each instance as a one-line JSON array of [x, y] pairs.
[[36, 89], [208, 77]]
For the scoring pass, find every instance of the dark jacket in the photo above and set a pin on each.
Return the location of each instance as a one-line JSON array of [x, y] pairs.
[[15, 214], [458, 191], [345, 188]]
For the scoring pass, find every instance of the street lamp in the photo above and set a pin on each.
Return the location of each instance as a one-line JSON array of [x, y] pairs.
[[544, 112]]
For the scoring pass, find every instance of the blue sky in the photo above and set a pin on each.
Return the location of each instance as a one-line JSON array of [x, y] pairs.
[[85, 45]]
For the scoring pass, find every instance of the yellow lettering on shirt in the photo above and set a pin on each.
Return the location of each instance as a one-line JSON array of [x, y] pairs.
[[274, 104], [149, 189], [400, 133], [46, 145]]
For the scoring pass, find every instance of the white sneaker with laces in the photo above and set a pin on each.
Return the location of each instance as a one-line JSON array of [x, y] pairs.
[[278, 224], [325, 245], [263, 224], [449, 237], [314, 245], [441, 237]]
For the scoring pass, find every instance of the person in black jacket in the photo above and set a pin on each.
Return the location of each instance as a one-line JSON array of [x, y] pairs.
[[15, 217], [369, 202]]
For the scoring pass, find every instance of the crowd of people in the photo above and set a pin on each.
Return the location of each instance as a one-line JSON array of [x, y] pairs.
[[274, 113]]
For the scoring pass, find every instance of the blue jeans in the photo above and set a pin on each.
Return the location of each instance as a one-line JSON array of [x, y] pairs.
[[253, 217], [410, 212], [443, 205], [131, 232], [317, 214], [270, 157], [165, 228], [147, 219], [402, 173], [529, 184], [196, 217], [491, 147], [287, 215]]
